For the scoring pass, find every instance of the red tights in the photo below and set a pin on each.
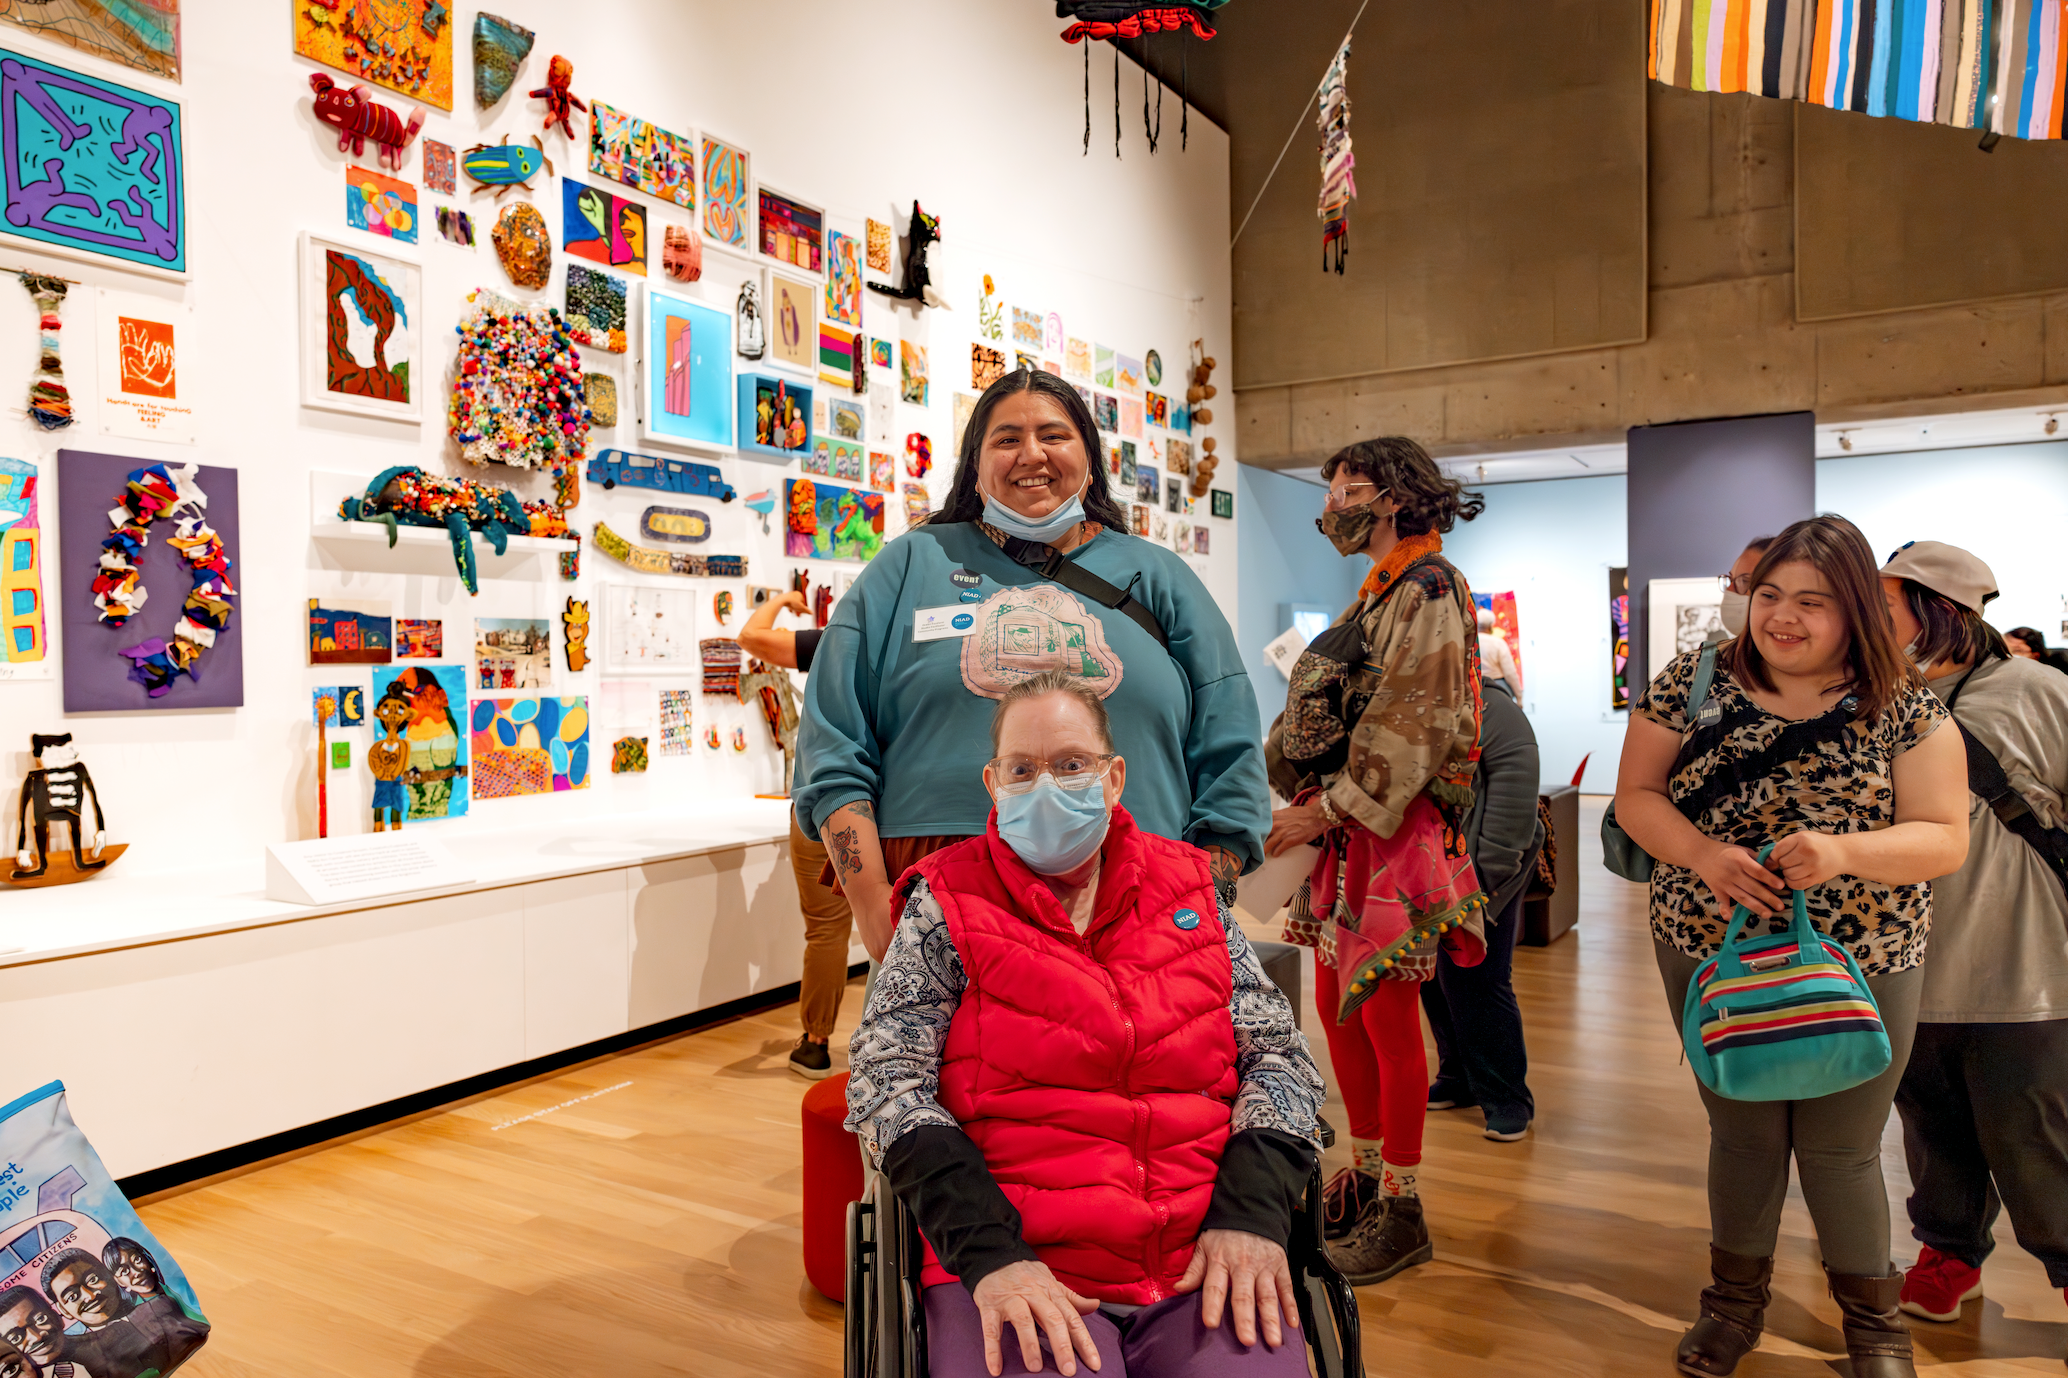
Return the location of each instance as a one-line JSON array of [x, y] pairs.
[[1380, 1068]]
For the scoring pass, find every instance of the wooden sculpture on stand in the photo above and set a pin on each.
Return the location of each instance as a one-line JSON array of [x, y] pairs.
[[56, 791]]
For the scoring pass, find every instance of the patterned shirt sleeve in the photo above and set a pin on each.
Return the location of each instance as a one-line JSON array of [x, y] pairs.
[[1923, 715], [1280, 1087], [1664, 700], [894, 1058]]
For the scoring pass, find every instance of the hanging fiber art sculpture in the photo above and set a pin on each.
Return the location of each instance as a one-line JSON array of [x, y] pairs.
[[517, 391], [156, 491], [1108, 20], [1338, 164], [49, 401]]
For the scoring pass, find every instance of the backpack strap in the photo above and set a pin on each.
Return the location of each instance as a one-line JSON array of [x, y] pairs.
[[1698, 691], [1051, 563], [1986, 777]]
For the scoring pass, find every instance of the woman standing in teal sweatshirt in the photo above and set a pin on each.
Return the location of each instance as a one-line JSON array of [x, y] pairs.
[[955, 612]]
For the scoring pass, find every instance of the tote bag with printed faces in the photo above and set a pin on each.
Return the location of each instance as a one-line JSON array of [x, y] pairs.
[[85, 1288]]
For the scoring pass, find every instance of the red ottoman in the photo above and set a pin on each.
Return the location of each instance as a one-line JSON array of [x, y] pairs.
[[832, 1178]]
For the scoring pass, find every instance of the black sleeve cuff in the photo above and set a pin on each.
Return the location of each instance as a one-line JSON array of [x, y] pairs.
[[1263, 1174], [939, 1173]]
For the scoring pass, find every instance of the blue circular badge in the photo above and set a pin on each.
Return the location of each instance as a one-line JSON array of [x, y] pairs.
[[972, 596], [962, 621], [1186, 919]]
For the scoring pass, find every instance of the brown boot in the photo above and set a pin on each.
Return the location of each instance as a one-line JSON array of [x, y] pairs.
[[1876, 1339], [1733, 1315]]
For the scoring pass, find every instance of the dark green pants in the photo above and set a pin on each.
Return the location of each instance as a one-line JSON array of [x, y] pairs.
[[1835, 1141]]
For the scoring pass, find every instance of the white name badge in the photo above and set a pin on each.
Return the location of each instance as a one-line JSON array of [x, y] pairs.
[[938, 624]]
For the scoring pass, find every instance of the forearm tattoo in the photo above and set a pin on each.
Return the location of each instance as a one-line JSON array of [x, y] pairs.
[[847, 852]]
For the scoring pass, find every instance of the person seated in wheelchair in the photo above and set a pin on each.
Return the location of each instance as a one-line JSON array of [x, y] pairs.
[[1076, 1076]]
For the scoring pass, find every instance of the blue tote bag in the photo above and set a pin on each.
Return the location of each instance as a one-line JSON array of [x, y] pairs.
[[1784, 1017]]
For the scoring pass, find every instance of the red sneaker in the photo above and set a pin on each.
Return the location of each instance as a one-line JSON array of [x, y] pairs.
[[1937, 1284]]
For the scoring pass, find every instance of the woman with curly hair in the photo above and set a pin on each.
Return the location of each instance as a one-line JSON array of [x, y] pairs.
[[1376, 749]]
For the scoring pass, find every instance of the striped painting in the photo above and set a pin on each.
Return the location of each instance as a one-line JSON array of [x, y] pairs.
[[1997, 65]]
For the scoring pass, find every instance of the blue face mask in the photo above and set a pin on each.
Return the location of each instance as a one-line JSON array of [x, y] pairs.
[[1043, 529], [1054, 830]]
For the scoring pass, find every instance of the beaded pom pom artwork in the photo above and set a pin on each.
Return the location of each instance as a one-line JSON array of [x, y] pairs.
[[517, 392]]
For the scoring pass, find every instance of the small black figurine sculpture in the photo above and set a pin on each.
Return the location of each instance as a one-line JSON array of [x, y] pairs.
[[57, 791]]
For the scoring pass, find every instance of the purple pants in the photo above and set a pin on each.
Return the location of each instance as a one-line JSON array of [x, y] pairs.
[[1163, 1340]]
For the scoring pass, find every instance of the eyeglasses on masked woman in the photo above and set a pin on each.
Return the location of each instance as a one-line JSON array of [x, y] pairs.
[[1073, 771]]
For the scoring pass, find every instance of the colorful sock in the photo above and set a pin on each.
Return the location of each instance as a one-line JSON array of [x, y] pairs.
[[1365, 1156], [1398, 1180]]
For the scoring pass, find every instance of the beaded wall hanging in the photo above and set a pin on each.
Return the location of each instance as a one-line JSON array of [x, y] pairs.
[[517, 391]]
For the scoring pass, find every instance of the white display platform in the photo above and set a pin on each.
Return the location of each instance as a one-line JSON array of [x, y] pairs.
[[248, 1017]]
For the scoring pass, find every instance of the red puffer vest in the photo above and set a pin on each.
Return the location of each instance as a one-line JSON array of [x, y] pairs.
[[1096, 1072]]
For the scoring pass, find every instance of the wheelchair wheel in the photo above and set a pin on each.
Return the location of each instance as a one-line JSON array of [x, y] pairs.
[[862, 1262], [1327, 1302]]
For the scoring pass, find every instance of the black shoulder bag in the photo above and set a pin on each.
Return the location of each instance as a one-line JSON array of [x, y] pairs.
[[1051, 564], [1986, 778]]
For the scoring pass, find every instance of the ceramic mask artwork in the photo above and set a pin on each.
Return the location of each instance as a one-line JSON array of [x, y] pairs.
[[500, 48], [524, 245]]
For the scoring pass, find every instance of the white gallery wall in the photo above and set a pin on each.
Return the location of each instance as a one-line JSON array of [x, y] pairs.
[[975, 109]]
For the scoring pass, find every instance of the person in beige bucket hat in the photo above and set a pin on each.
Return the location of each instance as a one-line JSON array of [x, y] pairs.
[[1984, 1099]]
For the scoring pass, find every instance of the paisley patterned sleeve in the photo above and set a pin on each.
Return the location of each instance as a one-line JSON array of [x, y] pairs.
[[1280, 1087], [894, 1058]]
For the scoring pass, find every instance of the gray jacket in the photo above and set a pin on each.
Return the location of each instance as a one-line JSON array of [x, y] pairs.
[[1998, 952], [1503, 832]]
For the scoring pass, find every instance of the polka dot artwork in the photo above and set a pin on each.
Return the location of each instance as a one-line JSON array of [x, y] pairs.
[[524, 245], [517, 391], [529, 746]]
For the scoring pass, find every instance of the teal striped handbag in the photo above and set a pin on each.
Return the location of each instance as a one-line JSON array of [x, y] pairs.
[[1784, 1017]]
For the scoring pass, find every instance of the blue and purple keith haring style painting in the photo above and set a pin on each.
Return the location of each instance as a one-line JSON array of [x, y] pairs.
[[91, 165]]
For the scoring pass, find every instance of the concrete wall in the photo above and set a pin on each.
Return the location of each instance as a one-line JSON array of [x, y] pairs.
[[1723, 336]]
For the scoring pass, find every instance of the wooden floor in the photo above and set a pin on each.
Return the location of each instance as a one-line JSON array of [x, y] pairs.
[[639, 1217]]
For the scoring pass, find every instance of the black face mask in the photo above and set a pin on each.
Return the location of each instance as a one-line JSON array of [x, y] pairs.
[[1349, 528]]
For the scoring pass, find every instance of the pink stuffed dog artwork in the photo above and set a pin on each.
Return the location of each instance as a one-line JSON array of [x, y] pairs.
[[357, 118]]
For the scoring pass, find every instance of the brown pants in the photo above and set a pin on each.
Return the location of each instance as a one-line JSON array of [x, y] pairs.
[[827, 924]]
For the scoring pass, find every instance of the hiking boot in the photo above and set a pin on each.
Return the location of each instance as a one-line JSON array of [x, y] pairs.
[[1389, 1236], [1876, 1340], [1343, 1201], [1733, 1315], [1937, 1284], [812, 1059]]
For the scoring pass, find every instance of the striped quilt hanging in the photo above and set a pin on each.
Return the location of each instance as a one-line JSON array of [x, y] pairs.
[[1996, 65]]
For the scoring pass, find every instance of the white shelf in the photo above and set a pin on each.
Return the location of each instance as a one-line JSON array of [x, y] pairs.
[[363, 546]]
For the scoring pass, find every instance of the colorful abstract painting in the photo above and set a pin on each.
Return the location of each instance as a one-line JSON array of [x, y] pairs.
[[1077, 361], [678, 709], [380, 205], [601, 228], [1027, 328], [879, 355], [530, 746], [441, 167], [1102, 367], [347, 632], [404, 45], [144, 34], [912, 372], [828, 522], [986, 366], [837, 355], [419, 638], [596, 308], [880, 242], [24, 625], [641, 155], [91, 166], [1619, 637], [360, 341], [843, 278], [728, 207], [791, 232], [435, 697]]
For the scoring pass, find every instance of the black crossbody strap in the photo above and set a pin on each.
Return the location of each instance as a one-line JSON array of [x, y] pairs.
[[1049, 563], [1986, 778]]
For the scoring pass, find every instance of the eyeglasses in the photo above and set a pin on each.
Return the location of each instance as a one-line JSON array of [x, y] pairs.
[[1343, 498], [1735, 583], [1073, 771]]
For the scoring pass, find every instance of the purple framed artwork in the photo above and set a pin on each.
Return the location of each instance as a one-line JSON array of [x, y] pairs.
[[99, 677], [91, 166]]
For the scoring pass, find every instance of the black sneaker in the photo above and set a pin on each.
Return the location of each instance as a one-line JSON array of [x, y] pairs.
[[811, 1060], [1389, 1237], [1449, 1095], [1343, 1200]]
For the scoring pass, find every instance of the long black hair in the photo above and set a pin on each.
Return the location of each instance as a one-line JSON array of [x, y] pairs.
[[966, 504]]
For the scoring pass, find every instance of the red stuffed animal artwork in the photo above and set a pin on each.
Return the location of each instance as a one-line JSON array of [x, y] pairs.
[[560, 102], [357, 118]]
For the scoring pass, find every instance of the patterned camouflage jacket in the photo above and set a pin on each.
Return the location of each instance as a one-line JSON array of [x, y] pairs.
[[1406, 718]]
